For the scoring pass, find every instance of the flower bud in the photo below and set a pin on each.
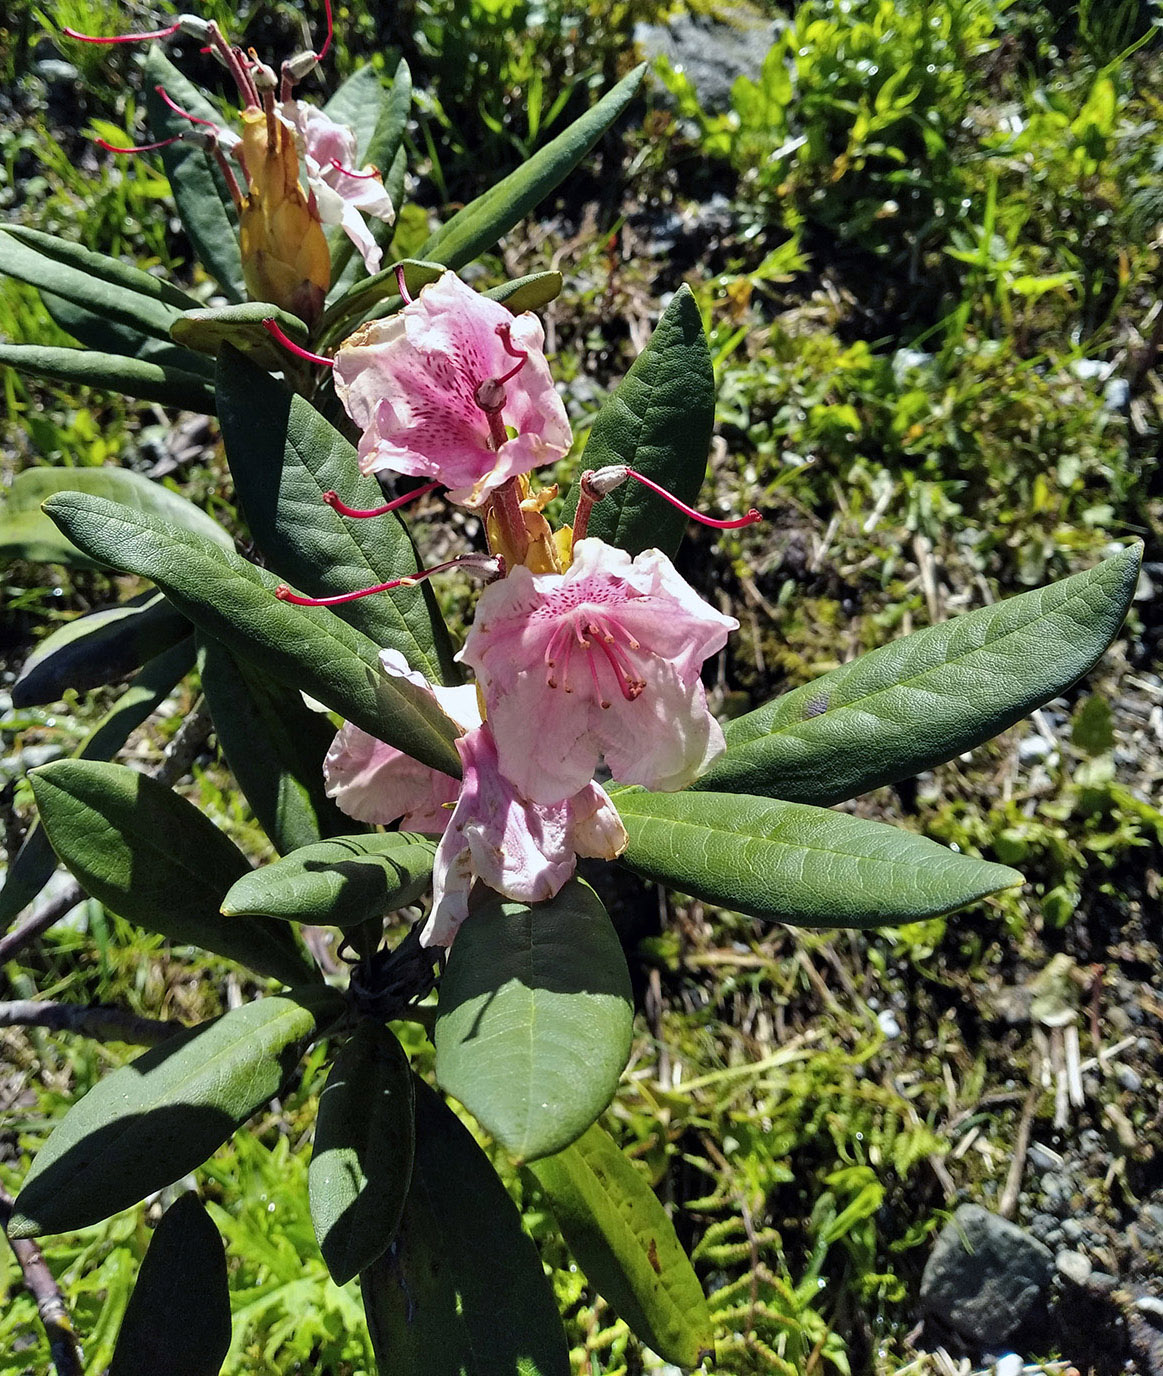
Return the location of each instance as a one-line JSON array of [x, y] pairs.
[[301, 65]]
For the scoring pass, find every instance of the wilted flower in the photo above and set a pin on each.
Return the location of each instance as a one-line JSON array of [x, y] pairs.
[[604, 658], [454, 388]]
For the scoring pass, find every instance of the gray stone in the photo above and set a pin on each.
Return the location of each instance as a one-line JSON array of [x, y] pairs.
[[712, 50], [1074, 1266], [984, 1276]]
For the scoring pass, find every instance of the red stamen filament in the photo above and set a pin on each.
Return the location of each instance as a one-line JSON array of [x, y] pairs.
[[402, 285], [333, 501], [348, 172], [137, 148], [503, 333], [185, 114], [330, 30], [272, 328], [749, 520], [284, 594], [590, 636], [122, 37]]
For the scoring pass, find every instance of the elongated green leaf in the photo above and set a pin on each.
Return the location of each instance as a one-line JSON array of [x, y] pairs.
[[625, 1243], [112, 373], [178, 1317], [274, 744], [200, 192], [535, 1017], [339, 883], [123, 293], [207, 330], [792, 863], [361, 1164], [27, 533], [379, 117], [657, 422], [153, 858], [481, 223], [383, 287], [35, 861], [99, 648], [928, 697], [284, 456], [161, 1116], [96, 331], [530, 293], [461, 1289], [306, 647]]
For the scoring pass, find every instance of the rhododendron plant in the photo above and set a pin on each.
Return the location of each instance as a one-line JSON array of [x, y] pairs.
[[444, 850]]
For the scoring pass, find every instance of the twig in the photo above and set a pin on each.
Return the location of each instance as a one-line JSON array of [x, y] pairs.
[[40, 921], [64, 1346], [99, 1021], [1009, 1196]]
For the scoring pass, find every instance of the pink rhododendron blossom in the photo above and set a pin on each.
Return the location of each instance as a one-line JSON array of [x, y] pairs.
[[412, 383], [525, 851], [604, 658], [374, 782], [344, 194]]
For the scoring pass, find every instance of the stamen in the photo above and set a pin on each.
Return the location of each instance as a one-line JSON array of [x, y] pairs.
[[272, 328], [402, 286], [333, 501], [371, 176], [749, 520], [122, 37], [505, 335], [330, 30], [139, 147], [177, 109], [487, 566]]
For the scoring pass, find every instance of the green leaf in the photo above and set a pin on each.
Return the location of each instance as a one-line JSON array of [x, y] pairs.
[[623, 1240], [283, 457], [99, 648], [530, 293], [233, 601], [106, 336], [482, 222], [35, 861], [123, 293], [274, 744], [379, 117], [790, 863], [381, 288], [159, 1117], [208, 329], [462, 1288], [928, 697], [339, 883], [533, 1030], [112, 373], [200, 192], [658, 422], [361, 1164], [178, 1318], [151, 857], [27, 533]]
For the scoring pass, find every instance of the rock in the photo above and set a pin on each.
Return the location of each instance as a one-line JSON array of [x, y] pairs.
[[712, 50], [1008, 1364], [984, 1276], [1074, 1266]]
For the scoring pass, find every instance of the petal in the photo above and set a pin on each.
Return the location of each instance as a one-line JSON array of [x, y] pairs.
[[669, 744], [595, 829], [375, 782]]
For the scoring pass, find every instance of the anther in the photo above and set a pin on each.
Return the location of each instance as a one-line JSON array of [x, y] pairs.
[[273, 328], [301, 65], [333, 501], [490, 395]]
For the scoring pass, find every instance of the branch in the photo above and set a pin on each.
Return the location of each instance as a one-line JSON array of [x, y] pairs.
[[99, 1021], [64, 1346]]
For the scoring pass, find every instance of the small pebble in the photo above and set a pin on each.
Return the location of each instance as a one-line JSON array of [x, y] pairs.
[[1074, 1266], [1128, 1078], [888, 1023], [1010, 1364]]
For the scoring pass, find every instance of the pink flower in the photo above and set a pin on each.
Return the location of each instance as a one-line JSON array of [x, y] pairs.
[[604, 658], [415, 384], [374, 782], [343, 192], [525, 851]]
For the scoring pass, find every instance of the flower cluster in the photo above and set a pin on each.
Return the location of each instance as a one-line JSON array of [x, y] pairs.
[[285, 257], [581, 652]]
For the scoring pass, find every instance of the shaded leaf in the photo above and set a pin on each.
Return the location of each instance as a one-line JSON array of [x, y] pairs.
[[791, 863], [208, 329], [178, 1317], [339, 883], [383, 286], [361, 1163], [151, 1122], [99, 648], [625, 1243], [533, 1029], [113, 373], [306, 647], [461, 1289], [96, 331], [151, 857], [928, 697], [659, 423]]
